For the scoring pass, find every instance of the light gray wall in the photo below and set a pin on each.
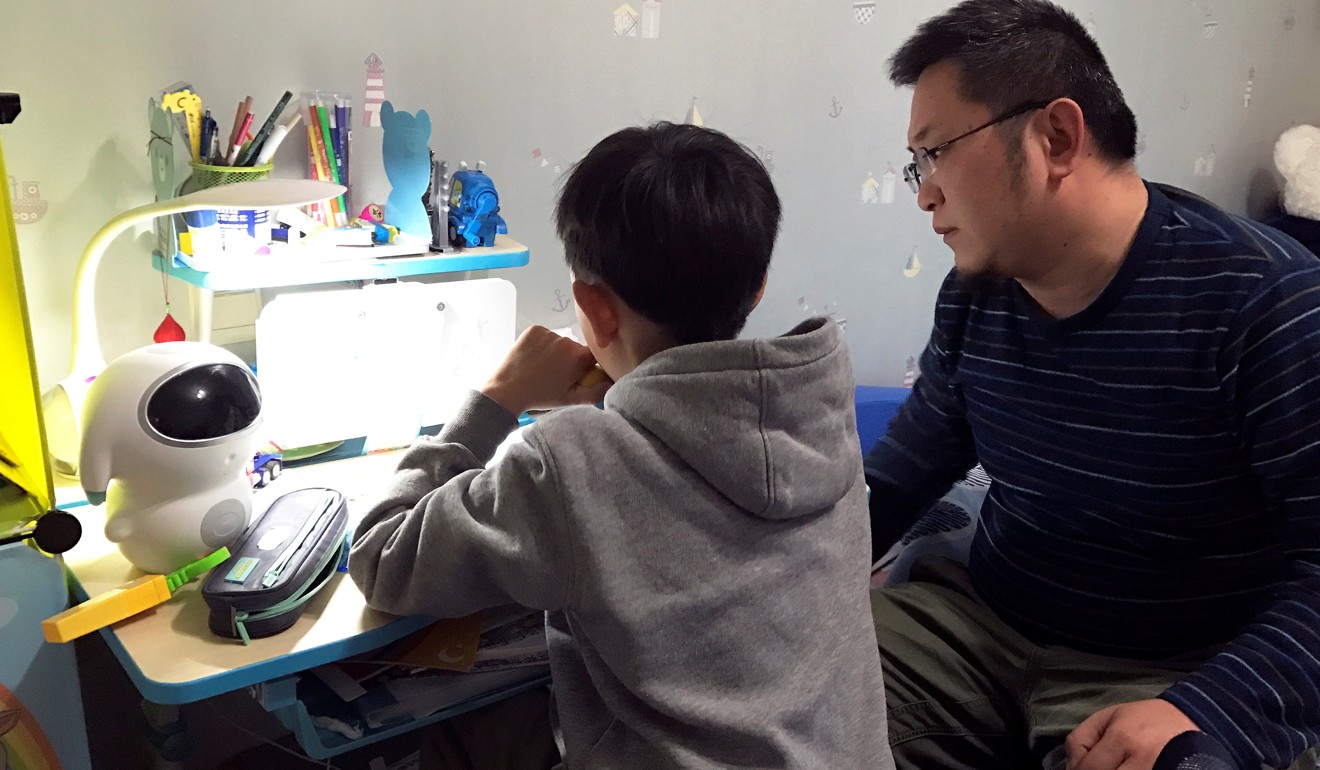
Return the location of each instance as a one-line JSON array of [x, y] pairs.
[[501, 79]]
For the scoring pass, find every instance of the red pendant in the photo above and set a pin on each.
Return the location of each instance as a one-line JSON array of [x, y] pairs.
[[169, 331]]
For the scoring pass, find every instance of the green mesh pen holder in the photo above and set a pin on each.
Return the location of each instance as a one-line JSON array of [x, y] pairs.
[[205, 175]]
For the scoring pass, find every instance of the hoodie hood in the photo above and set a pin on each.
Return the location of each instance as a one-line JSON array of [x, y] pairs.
[[768, 422]]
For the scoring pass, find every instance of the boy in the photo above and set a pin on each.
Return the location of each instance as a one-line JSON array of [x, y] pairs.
[[698, 543]]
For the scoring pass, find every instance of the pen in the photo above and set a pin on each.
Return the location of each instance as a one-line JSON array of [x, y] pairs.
[[238, 140], [277, 136], [208, 131], [238, 121], [246, 158]]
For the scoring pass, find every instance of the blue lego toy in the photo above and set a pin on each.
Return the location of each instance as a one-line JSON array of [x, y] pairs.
[[474, 210], [265, 468]]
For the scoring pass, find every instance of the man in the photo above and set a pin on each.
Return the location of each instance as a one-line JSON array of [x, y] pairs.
[[1139, 374]]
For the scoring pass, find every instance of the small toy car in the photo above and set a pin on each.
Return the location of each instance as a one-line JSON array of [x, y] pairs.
[[474, 210], [266, 467]]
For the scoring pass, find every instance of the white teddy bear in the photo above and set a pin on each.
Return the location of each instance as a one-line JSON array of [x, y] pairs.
[[1297, 156]]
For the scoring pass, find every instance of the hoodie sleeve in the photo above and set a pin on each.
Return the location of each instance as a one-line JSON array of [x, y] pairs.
[[451, 537], [928, 445]]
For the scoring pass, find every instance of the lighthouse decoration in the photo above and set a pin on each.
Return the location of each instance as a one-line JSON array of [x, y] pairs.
[[375, 93]]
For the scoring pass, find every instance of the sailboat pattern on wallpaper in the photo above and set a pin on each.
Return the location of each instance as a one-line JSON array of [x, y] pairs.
[[29, 206]]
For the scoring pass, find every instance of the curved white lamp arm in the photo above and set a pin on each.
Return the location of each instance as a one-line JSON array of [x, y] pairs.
[[86, 360], [86, 357]]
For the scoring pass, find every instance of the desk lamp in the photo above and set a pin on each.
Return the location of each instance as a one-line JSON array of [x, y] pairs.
[[63, 403]]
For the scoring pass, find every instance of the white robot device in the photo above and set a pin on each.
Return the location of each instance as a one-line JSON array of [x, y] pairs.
[[169, 430]]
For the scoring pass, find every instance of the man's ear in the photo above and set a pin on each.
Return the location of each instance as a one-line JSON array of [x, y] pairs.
[[1063, 134], [598, 306]]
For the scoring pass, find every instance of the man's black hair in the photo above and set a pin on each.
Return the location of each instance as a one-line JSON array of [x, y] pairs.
[[678, 220], [1011, 53]]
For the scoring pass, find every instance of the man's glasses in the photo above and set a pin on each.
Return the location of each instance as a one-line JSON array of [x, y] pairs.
[[923, 160]]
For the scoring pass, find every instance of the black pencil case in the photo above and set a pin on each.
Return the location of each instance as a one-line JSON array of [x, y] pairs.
[[279, 563]]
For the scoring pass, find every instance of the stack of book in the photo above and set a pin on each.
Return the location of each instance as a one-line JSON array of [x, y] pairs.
[[442, 666]]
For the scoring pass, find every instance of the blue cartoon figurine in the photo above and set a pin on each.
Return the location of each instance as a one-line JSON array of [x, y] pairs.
[[406, 153], [474, 210]]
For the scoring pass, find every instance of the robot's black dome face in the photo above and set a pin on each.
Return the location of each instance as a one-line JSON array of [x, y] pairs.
[[204, 402]]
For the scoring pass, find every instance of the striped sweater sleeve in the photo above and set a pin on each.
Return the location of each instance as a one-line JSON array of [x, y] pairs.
[[1260, 694], [928, 445]]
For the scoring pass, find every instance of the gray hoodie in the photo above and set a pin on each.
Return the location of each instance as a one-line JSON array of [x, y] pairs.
[[700, 547]]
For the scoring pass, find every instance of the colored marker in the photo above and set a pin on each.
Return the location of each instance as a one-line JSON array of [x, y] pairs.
[[238, 140], [246, 158], [276, 137]]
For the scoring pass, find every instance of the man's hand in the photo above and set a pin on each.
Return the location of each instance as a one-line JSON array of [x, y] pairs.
[[1129, 736], [543, 370]]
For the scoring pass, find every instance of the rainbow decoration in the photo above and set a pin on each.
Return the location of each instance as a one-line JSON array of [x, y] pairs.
[[25, 744]]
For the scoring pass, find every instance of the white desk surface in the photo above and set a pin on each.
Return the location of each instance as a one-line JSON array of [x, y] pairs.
[[171, 654]]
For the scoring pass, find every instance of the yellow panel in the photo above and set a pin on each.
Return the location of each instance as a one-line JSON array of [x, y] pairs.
[[22, 434]]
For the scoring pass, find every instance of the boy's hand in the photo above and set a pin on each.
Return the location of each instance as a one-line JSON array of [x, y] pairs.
[[543, 370]]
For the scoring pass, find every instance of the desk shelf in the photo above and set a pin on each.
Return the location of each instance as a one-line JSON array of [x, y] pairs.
[[296, 700], [291, 270]]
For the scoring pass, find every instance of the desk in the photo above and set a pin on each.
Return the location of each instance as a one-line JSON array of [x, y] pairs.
[[173, 658]]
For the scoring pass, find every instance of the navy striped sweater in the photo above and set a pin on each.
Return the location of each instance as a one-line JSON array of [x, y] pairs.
[[1155, 463]]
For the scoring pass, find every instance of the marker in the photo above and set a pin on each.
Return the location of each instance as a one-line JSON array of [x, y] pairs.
[[340, 125], [208, 131], [342, 118], [277, 136], [244, 107], [266, 128], [238, 140]]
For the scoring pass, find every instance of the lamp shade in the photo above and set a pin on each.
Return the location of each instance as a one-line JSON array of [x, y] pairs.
[[63, 403]]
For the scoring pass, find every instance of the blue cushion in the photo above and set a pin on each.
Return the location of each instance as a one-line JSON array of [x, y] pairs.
[[875, 408]]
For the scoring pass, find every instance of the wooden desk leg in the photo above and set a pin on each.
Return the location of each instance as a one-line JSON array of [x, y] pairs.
[[202, 301], [167, 732]]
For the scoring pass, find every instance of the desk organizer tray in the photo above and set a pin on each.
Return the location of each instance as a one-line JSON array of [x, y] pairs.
[[302, 702], [277, 565]]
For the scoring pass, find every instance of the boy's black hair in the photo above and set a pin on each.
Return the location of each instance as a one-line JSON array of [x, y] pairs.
[[678, 220], [1014, 52]]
